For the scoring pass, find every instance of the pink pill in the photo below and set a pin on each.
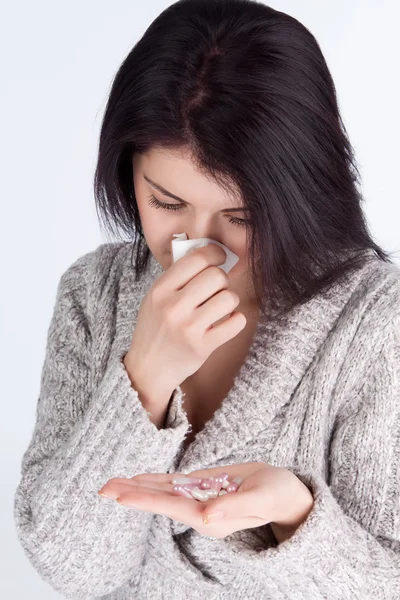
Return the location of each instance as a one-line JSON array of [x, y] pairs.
[[206, 483], [222, 477], [190, 486], [233, 486], [216, 485]]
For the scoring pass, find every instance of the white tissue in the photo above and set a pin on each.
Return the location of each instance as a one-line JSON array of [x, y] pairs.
[[181, 245]]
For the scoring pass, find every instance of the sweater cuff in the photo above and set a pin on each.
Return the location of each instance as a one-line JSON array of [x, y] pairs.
[[176, 413], [321, 547], [176, 417], [323, 529]]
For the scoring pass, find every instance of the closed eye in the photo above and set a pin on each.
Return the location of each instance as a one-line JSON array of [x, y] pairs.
[[158, 204]]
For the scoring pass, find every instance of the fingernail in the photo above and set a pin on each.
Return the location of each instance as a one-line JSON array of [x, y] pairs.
[[218, 514], [103, 494]]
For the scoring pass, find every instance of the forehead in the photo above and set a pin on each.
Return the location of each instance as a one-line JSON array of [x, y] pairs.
[[176, 170]]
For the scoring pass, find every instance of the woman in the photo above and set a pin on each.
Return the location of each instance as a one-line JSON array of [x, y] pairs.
[[222, 122]]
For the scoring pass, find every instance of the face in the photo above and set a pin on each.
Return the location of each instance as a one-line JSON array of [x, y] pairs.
[[206, 212]]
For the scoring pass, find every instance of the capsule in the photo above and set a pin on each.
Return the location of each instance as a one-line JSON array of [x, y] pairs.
[[180, 490], [182, 480]]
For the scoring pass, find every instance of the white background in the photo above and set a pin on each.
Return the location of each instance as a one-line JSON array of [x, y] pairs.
[[57, 64]]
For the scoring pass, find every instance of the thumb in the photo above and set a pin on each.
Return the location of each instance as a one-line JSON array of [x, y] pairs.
[[230, 506]]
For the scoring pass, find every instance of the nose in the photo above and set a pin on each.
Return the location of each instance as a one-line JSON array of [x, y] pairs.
[[202, 225], [201, 232]]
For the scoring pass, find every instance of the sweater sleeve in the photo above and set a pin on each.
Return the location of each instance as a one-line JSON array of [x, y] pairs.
[[82, 544], [349, 545]]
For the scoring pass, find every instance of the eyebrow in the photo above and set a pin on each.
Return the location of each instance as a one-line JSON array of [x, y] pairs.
[[170, 195]]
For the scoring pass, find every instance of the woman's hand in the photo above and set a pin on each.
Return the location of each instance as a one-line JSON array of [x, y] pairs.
[[268, 494], [179, 326], [174, 333]]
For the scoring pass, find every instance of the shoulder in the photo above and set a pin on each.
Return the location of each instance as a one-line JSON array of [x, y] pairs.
[[89, 275], [94, 263], [369, 317], [366, 346], [377, 296]]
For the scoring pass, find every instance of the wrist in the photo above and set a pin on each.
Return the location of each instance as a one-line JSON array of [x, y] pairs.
[[150, 388], [154, 400], [283, 533], [284, 528]]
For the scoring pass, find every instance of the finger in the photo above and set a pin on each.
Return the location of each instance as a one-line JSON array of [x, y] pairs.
[[139, 493], [161, 477], [225, 527], [117, 486], [233, 506], [179, 508]]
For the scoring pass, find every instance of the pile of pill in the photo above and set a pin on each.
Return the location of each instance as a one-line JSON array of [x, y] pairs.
[[204, 489]]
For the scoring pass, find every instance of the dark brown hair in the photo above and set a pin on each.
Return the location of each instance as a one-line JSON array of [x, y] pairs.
[[246, 89]]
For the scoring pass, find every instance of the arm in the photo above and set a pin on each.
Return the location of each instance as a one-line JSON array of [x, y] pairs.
[[84, 545], [349, 544]]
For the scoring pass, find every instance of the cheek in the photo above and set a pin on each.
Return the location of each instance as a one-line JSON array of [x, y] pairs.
[[158, 229], [241, 269], [154, 225]]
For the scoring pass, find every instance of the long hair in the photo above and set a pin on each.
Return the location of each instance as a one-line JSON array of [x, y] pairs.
[[246, 89]]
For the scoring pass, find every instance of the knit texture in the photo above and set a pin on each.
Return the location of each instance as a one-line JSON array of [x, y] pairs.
[[319, 394]]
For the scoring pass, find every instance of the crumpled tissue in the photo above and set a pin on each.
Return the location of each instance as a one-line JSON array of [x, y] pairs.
[[181, 246]]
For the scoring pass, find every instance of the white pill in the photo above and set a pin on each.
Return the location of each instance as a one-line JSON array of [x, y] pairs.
[[182, 480], [212, 493], [199, 494]]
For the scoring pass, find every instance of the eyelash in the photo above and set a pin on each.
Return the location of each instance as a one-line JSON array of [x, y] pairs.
[[157, 204]]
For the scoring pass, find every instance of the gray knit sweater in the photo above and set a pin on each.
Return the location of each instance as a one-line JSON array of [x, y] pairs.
[[319, 394]]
